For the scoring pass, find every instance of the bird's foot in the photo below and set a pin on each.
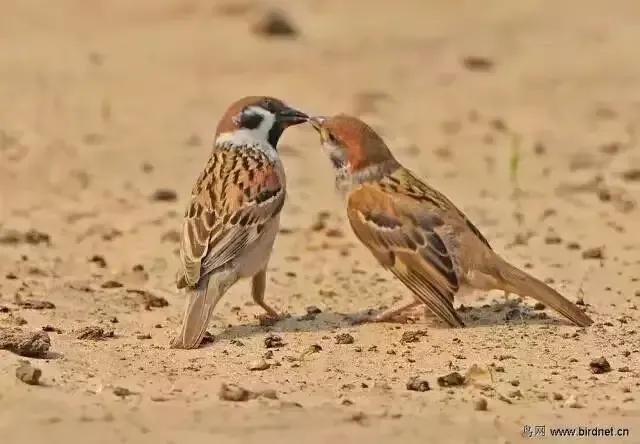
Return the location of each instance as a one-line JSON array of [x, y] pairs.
[[268, 319], [400, 318]]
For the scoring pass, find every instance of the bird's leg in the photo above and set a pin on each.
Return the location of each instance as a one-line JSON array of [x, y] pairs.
[[391, 314], [258, 286]]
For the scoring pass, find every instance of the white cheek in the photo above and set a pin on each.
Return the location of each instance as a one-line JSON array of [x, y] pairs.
[[262, 131], [268, 120], [335, 154], [329, 148], [244, 136]]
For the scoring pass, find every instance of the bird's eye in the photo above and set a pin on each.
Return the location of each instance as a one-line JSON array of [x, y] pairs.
[[269, 105], [333, 139]]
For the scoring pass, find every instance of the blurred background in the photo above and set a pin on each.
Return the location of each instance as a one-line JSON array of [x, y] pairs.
[[525, 113], [116, 99]]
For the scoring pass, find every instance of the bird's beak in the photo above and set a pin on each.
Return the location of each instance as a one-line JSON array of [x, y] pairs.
[[317, 122], [290, 116]]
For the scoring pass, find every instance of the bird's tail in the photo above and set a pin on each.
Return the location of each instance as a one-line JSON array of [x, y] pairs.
[[199, 306], [514, 280]]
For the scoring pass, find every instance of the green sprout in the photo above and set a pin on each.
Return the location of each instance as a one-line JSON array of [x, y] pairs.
[[514, 162]]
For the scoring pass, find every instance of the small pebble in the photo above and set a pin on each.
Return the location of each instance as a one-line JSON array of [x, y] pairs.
[[593, 253], [28, 373], [451, 380], [312, 310], [232, 392], [275, 24], [164, 195], [600, 365], [417, 384], [94, 333], [111, 284], [344, 338], [412, 336], [273, 341], [122, 392], [480, 404], [258, 364]]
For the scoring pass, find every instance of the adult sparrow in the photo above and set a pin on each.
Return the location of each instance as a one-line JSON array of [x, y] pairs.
[[232, 219], [416, 232]]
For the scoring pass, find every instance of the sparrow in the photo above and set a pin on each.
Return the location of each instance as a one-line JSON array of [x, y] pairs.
[[232, 218], [415, 232]]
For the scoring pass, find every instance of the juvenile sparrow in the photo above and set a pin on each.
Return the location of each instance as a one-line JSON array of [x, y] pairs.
[[416, 232], [232, 219]]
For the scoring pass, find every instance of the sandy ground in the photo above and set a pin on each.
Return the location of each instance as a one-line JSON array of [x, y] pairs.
[[524, 113]]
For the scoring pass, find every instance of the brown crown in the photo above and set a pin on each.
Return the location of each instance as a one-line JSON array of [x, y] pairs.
[[363, 145], [226, 122]]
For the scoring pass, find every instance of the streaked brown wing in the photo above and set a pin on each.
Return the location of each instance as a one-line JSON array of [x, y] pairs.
[[402, 236], [236, 195], [417, 189]]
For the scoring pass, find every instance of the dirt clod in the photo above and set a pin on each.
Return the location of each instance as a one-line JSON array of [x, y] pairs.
[[334, 232], [477, 63], [208, 338], [100, 261], [28, 374], [148, 299], [480, 404], [29, 344], [418, 384], [31, 237], [122, 392], [451, 380], [111, 284], [94, 333], [275, 24], [344, 338], [553, 240], [273, 341], [51, 329], [258, 365], [600, 365], [631, 175], [412, 336], [34, 304], [232, 392], [164, 195], [593, 253]]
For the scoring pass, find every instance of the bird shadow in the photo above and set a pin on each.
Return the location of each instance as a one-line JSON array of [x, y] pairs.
[[488, 315]]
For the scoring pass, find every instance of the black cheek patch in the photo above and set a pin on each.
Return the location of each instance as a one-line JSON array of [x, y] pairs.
[[336, 161], [250, 120], [274, 134]]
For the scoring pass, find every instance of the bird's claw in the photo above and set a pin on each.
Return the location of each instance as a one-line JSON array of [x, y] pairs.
[[268, 319]]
